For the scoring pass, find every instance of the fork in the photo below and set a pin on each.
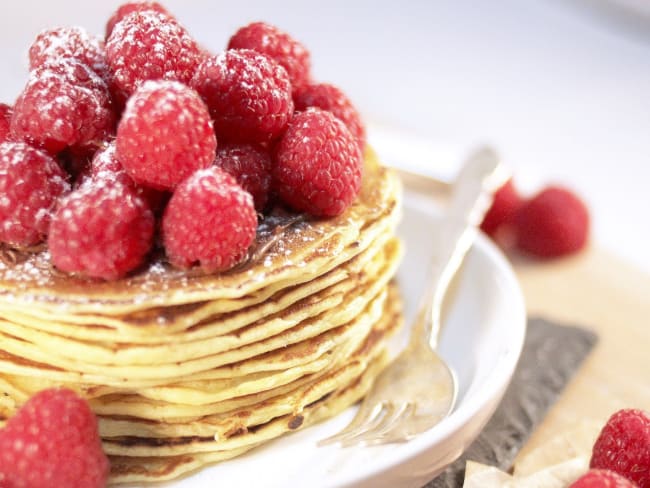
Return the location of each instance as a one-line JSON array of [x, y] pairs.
[[418, 389]]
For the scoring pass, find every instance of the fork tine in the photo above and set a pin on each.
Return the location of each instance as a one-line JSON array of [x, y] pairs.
[[401, 430], [364, 417], [392, 416]]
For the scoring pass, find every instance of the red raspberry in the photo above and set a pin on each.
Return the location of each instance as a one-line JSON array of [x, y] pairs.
[[503, 211], [251, 167], [278, 45], [602, 478], [248, 94], [553, 223], [318, 164], [5, 120], [148, 45], [624, 446], [53, 440], [210, 220], [330, 98], [106, 165], [64, 104], [130, 7], [69, 42], [165, 134], [103, 229], [30, 183]]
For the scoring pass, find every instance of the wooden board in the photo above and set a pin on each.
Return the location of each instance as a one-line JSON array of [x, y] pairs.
[[599, 291]]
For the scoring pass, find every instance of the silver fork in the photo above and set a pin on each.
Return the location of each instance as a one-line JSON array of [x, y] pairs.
[[418, 389]]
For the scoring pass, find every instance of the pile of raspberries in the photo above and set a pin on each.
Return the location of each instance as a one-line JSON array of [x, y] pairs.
[[116, 146]]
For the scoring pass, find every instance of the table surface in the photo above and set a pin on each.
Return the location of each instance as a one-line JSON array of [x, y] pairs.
[[599, 291]]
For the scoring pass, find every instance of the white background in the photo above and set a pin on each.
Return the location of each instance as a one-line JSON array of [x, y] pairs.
[[561, 88]]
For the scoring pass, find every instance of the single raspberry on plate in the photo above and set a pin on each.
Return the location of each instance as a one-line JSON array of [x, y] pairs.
[[65, 103], [318, 164], [602, 478], [624, 446], [553, 223], [165, 134], [103, 229], [30, 184], [5, 120], [53, 440], [278, 45], [148, 45], [251, 166], [503, 210], [69, 42], [130, 7], [106, 165], [330, 98], [209, 220], [248, 94]]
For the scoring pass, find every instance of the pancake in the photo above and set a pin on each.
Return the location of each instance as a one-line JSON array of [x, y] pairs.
[[127, 469], [185, 369]]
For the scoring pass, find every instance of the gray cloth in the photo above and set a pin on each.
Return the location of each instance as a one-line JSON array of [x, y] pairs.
[[551, 355]]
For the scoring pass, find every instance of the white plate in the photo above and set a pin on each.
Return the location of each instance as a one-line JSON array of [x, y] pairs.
[[482, 339]]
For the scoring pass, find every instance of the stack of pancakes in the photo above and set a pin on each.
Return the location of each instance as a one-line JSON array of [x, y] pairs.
[[185, 369]]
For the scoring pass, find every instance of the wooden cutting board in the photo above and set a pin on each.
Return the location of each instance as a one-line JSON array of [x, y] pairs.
[[601, 292]]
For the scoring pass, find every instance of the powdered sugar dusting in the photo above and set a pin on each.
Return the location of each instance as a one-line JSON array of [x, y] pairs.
[[149, 45], [68, 42], [64, 103], [165, 134], [30, 183]]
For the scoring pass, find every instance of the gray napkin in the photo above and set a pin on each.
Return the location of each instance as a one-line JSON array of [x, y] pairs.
[[551, 355]]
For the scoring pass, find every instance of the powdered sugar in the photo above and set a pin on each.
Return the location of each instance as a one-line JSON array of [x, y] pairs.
[[165, 134], [63, 104], [68, 42], [148, 45]]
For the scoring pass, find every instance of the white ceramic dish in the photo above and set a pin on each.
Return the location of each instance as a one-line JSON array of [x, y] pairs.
[[482, 339]]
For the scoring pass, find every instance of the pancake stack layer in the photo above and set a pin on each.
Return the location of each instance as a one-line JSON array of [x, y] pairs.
[[185, 369]]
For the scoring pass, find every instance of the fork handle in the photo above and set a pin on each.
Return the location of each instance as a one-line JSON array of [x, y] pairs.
[[472, 195]]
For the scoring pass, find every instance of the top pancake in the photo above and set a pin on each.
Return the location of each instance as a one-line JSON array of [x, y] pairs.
[[288, 250]]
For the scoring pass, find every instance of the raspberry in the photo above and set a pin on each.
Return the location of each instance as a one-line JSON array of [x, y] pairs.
[[148, 45], [553, 223], [106, 165], [165, 134], [209, 220], [278, 45], [30, 183], [248, 94], [330, 98], [52, 440], [503, 211], [602, 478], [103, 229], [65, 103], [129, 8], [624, 446], [251, 167], [69, 42], [318, 164], [5, 119]]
